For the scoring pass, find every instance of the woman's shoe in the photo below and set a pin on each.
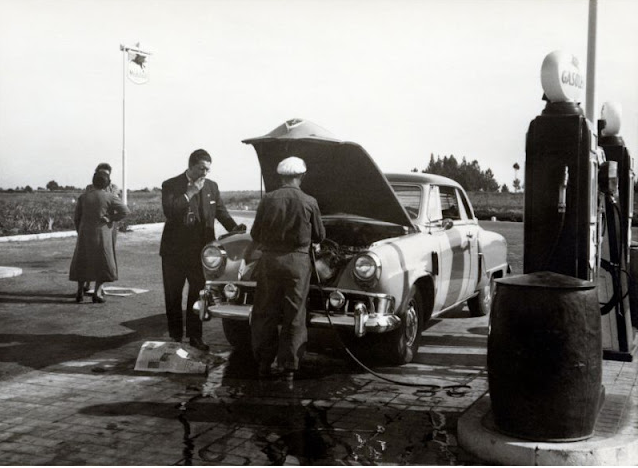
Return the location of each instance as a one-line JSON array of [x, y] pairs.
[[98, 299], [79, 297]]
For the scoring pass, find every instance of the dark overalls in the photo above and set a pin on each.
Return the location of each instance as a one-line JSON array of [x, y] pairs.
[[286, 223]]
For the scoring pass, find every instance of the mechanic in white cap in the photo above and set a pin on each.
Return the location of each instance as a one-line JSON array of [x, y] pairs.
[[287, 222]]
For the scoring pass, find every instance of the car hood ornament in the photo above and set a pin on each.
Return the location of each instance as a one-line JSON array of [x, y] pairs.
[[341, 174]]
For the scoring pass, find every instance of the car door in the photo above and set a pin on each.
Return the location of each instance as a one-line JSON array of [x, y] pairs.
[[468, 227], [453, 261]]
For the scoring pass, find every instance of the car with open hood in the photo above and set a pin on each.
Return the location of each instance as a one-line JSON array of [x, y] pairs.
[[399, 248]]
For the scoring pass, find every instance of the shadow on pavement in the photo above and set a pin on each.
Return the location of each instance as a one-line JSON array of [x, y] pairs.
[[40, 351], [37, 298]]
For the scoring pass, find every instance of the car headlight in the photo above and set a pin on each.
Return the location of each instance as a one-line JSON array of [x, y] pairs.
[[367, 267], [214, 259], [231, 291], [337, 300]]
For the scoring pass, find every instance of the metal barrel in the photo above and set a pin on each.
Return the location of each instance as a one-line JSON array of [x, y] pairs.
[[544, 357], [633, 282]]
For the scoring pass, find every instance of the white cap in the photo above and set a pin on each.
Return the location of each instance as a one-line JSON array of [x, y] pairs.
[[291, 166]]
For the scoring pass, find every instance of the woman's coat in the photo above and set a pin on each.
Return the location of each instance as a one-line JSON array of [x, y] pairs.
[[94, 257]]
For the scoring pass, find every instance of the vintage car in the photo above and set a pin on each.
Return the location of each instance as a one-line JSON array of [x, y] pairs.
[[399, 248]]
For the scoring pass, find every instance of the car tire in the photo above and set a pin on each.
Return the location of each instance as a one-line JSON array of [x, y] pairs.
[[481, 304], [404, 341], [237, 333]]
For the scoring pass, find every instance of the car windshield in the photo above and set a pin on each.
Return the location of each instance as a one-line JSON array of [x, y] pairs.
[[410, 198]]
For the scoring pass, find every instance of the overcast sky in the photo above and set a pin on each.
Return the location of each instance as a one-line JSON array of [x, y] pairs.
[[402, 78]]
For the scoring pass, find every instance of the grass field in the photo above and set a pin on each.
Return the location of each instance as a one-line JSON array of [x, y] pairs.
[[32, 213]]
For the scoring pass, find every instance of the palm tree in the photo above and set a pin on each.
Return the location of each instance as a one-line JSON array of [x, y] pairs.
[[517, 183]]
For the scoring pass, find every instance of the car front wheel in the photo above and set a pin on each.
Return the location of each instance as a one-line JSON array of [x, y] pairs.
[[404, 341]]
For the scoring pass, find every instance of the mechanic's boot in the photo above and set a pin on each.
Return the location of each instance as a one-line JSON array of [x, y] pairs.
[[197, 343]]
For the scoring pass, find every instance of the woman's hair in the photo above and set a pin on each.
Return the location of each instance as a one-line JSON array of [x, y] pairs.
[[103, 167], [101, 180]]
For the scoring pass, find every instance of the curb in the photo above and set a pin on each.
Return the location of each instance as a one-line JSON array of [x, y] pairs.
[[135, 227], [477, 436], [61, 234]]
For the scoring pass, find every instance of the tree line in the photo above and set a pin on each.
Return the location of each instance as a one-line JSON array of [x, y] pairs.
[[53, 186], [469, 174]]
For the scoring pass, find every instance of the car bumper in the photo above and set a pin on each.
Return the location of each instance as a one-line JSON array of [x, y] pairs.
[[361, 320], [372, 323]]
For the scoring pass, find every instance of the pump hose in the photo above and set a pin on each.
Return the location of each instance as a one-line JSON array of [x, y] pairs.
[[615, 271], [550, 253], [457, 390]]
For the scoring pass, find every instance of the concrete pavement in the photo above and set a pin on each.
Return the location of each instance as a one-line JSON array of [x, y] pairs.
[[614, 443], [98, 411], [69, 394], [75, 398]]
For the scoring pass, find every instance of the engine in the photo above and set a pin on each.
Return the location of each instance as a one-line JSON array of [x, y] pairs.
[[345, 238]]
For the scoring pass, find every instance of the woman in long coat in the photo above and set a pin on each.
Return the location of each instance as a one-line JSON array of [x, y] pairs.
[[94, 256]]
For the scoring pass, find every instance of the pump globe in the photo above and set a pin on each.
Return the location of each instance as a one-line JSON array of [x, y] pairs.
[[561, 78], [611, 113]]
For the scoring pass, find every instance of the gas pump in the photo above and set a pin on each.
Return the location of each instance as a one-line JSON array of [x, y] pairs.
[[544, 354], [615, 280], [578, 200], [562, 206]]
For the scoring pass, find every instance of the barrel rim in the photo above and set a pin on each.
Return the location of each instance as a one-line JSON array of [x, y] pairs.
[[546, 280]]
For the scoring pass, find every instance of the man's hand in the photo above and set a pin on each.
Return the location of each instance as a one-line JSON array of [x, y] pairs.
[[107, 220], [193, 188], [239, 228]]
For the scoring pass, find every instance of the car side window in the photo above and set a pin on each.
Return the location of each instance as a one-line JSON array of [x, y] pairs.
[[466, 204], [434, 205], [410, 198], [461, 205], [449, 203]]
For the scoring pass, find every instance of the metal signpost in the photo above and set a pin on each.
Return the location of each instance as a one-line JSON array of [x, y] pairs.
[[135, 68]]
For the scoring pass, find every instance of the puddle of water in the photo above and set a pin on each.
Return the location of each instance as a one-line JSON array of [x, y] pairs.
[[325, 420]]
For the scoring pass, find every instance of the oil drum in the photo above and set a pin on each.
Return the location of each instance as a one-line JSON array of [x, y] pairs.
[[633, 282], [544, 357]]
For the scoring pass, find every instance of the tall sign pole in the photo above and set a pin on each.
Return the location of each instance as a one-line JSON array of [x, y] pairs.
[[590, 80], [135, 68]]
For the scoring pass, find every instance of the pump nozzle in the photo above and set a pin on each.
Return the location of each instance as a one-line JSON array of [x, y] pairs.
[[562, 192]]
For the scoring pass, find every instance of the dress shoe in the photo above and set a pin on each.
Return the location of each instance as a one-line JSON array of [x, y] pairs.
[[197, 343], [98, 299]]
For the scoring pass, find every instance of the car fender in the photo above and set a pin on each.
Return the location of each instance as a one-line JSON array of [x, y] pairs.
[[492, 249], [404, 261]]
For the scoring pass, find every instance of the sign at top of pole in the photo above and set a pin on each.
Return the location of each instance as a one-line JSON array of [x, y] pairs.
[[136, 64]]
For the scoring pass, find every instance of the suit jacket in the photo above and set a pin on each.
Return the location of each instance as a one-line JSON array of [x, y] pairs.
[[207, 205]]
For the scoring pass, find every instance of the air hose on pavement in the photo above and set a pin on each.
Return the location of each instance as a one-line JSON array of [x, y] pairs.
[[457, 390]]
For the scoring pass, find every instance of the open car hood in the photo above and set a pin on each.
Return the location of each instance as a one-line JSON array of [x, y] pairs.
[[341, 175]]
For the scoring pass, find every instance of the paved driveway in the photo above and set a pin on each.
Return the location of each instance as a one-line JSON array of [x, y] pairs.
[[69, 394]]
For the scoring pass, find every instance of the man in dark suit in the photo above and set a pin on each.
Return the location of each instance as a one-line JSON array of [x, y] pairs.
[[191, 203]]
